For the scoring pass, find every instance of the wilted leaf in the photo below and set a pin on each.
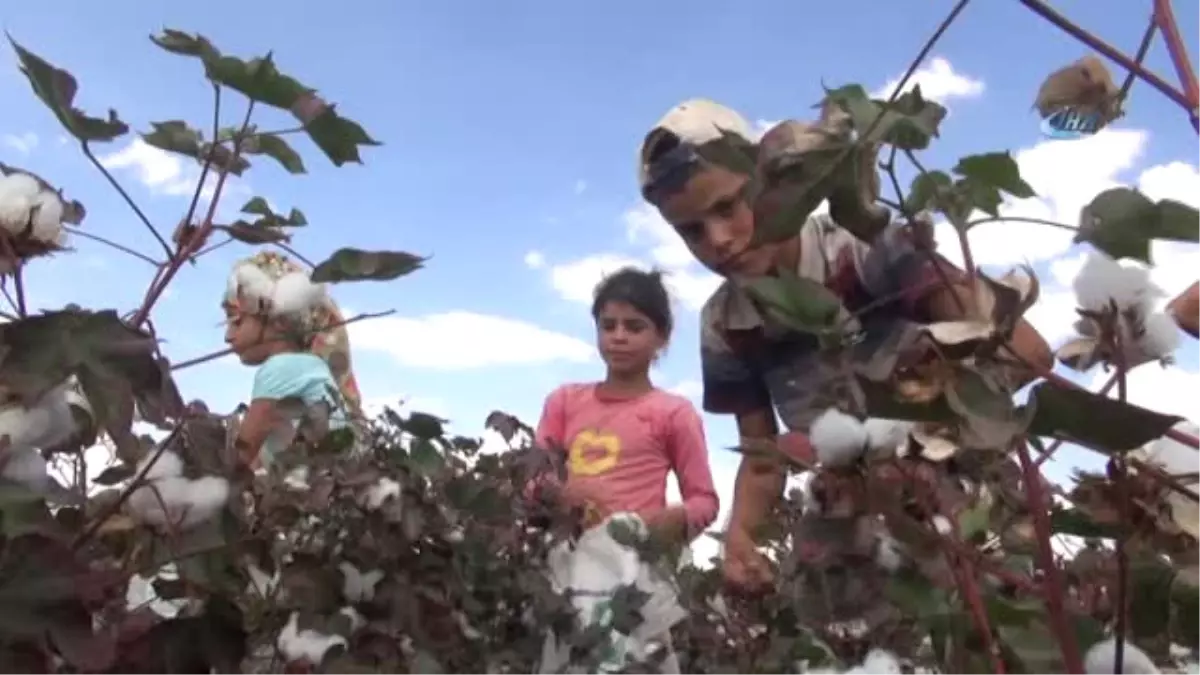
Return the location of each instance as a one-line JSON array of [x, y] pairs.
[[337, 136], [797, 302], [908, 123], [352, 264], [253, 234], [1092, 420], [279, 150], [176, 136], [989, 417], [424, 425], [56, 88]]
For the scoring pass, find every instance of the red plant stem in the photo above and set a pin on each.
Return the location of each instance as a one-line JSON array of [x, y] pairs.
[[1112, 53], [968, 585], [1053, 591], [1122, 480], [189, 247]]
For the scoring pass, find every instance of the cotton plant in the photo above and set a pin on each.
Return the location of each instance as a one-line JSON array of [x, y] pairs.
[[48, 423], [840, 439], [1145, 333], [1101, 659], [32, 216], [169, 501]]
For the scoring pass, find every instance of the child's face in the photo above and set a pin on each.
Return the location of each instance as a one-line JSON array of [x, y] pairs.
[[247, 335], [628, 339], [710, 212]]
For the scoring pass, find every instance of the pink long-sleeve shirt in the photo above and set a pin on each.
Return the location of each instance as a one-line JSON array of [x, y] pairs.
[[628, 446]]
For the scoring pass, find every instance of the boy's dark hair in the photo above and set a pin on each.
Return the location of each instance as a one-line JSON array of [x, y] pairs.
[[642, 290]]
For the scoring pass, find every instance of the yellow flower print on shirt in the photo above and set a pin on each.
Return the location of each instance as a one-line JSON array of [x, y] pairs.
[[593, 452]]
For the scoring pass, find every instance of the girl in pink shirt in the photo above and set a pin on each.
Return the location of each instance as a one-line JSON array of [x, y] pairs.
[[623, 435]]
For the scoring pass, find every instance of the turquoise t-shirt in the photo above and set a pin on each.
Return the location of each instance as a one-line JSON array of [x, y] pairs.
[[294, 375]]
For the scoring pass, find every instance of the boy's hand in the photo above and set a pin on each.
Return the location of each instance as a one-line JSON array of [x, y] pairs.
[[743, 565]]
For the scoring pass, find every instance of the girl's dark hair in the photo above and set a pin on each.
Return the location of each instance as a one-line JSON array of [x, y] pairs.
[[642, 290]]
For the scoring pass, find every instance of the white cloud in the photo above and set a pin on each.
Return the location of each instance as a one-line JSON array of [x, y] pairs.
[[646, 230], [535, 260], [576, 280], [581, 186], [22, 144], [939, 82], [462, 340], [165, 173]]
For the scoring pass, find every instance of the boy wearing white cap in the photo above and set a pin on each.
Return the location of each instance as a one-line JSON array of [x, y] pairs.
[[750, 367]]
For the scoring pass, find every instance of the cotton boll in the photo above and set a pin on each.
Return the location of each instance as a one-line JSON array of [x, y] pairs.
[[886, 438], [179, 503], [17, 194], [380, 492], [47, 219], [169, 465], [1102, 658], [1161, 336], [295, 294], [44, 425], [880, 662], [357, 621], [307, 646], [253, 282], [888, 552], [1103, 280], [942, 524], [838, 438], [28, 468], [358, 586]]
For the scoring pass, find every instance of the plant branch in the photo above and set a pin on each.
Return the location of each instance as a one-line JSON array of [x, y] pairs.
[[212, 247], [188, 247], [87, 152], [213, 356], [120, 247], [19, 289], [279, 132], [1022, 219], [1111, 53], [1121, 478], [1054, 593], [294, 253]]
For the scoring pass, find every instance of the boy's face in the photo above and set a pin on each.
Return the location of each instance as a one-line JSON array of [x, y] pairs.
[[712, 215]]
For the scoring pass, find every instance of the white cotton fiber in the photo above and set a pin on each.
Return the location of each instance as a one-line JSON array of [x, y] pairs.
[[838, 439]]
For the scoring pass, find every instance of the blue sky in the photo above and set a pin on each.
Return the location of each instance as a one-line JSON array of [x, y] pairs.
[[510, 129]]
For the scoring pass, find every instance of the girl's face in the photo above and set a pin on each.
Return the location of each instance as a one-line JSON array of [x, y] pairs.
[[628, 340], [248, 336]]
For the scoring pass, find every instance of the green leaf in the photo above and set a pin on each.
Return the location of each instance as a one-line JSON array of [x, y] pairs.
[[1092, 420], [974, 520], [923, 193], [425, 456], [352, 264], [337, 136], [1077, 523], [13, 493], [1116, 222], [279, 150], [257, 206], [257, 78], [975, 194], [797, 302], [56, 88], [916, 596], [995, 169], [176, 136]]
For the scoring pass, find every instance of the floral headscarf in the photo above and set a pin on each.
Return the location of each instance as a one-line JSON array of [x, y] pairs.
[[253, 287]]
